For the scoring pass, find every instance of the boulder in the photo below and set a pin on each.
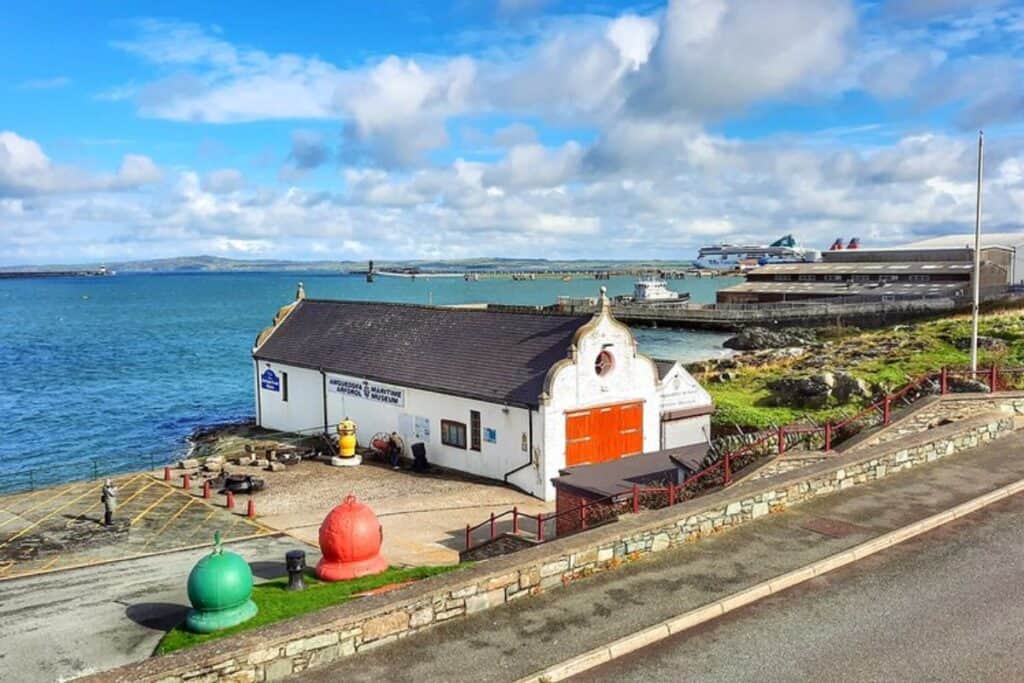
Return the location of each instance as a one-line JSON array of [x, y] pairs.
[[987, 343], [276, 467], [847, 387], [212, 466], [962, 385], [806, 392], [758, 338], [188, 464]]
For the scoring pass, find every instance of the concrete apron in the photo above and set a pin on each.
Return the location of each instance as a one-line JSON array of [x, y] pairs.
[[695, 617]]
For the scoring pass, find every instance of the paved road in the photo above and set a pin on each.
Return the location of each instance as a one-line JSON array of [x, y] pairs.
[[948, 606], [65, 624], [519, 639]]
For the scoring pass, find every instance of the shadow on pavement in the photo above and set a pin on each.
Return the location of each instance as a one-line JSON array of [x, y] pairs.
[[159, 616]]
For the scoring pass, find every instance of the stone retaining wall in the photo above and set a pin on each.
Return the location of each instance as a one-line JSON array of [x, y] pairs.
[[949, 408], [279, 650]]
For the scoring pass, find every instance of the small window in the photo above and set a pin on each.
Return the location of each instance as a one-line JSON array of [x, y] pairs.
[[807, 278], [474, 430], [782, 278], [604, 363], [920, 278], [453, 433], [284, 386]]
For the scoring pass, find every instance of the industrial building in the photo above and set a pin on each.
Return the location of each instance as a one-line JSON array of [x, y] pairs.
[[909, 272], [511, 396]]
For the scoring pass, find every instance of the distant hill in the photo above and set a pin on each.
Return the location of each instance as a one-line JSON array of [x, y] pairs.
[[217, 264]]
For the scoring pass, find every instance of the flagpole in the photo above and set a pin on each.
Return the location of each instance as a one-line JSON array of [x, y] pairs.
[[977, 257]]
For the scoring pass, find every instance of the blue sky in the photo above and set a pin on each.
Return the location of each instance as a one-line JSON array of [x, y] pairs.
[[508, 128]]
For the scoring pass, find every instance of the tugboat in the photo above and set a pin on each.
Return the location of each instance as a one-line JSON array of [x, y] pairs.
[[651, 290]]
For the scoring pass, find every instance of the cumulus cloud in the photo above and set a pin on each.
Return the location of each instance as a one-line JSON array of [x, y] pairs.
[[605, 141], [223, 181], [26, 170], [715, 57]]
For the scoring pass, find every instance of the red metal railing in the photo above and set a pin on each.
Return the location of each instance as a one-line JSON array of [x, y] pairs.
[[719, 473]]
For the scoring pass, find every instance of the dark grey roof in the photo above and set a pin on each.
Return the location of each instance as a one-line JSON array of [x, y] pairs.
[[664, 367], [618, 476], [496, 356]]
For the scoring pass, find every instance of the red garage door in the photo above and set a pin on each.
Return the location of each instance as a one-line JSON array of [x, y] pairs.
[[604, 433]]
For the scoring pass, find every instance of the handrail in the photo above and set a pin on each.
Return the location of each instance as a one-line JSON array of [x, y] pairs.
[[676, 492]]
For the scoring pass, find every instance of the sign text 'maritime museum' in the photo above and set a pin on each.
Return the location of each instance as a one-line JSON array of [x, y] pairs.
[[370, 391]]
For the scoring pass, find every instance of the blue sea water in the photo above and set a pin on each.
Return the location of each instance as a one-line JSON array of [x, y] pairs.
[[104, 375]]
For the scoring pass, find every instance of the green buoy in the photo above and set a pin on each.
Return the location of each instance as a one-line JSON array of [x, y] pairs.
[[220, 590]]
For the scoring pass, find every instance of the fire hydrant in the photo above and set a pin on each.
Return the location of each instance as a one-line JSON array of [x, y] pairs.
[[346, 438]]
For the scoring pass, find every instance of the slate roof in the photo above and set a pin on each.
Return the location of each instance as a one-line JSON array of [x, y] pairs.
[[664, 366], [495, 356], [618, 476]]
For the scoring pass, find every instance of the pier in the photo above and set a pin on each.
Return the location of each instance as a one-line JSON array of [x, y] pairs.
[[731, 317], [22, 274]]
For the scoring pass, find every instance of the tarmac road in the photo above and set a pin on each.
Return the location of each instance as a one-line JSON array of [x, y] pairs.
[[947, 606], [66, 624]]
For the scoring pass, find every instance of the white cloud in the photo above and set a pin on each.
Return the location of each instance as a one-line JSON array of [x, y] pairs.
[[25, 170], [223, 181], [714, 57]]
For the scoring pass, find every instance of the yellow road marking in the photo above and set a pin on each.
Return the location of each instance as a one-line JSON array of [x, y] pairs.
[[33, 507], [49, 564], [22, 497], [134, 495], [51, 514], [207, 518], [147, 510], [119, 485], [6, 567], [168, 523]]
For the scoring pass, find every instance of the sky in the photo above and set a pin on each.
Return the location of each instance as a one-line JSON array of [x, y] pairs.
[[506, 128]]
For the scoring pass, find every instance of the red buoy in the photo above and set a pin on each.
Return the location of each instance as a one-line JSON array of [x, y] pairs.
[[350, 540]]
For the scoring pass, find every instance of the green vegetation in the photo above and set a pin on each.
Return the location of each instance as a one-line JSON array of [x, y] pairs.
[[276, 604], [887, 359]]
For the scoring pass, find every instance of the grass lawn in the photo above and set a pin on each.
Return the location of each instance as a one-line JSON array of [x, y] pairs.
[[276, 604], [909, 351]]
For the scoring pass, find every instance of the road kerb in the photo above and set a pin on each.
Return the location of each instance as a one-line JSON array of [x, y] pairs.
[[652, 634]]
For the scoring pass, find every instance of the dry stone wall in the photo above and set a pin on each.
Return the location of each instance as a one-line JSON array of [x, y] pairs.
[[280, 650]]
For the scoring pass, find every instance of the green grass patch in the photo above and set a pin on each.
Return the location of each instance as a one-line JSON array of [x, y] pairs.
[[276, 604], [887, 359]]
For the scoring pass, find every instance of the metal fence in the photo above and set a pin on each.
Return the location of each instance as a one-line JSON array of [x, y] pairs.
[[721, 470]]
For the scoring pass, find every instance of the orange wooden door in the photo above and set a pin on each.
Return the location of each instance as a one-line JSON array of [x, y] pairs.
[[579, 443], [604, 433]]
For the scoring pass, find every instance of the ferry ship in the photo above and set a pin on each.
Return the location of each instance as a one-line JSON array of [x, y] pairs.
[[731, 256]]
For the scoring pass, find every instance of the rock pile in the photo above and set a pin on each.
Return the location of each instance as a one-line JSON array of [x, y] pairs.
[[760, 338], [816, 390]]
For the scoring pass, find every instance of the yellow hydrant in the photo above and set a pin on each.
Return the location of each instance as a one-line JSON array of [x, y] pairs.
[[346, 438]]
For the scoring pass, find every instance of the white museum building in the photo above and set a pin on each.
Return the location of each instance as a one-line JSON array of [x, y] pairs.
[[508, 395]]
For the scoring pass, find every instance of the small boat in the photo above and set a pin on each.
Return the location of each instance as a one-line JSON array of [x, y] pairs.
[[646, 290]]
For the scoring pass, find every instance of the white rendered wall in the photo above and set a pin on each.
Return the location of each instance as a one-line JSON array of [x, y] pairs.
[[575, 385], [304, 410], [686, 431]]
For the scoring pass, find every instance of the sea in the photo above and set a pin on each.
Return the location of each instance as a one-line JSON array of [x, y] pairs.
[[102, 375]]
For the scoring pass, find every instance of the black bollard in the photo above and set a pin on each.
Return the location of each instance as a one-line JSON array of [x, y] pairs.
[[295, 562]]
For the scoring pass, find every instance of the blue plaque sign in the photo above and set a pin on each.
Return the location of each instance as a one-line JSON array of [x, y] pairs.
[[270, 381]]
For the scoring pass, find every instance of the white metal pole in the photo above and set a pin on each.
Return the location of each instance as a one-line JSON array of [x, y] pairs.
[[977, 257]]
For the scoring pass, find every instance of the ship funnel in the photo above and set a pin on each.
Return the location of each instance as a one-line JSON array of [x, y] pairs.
[[854, 243], [837, 245]]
